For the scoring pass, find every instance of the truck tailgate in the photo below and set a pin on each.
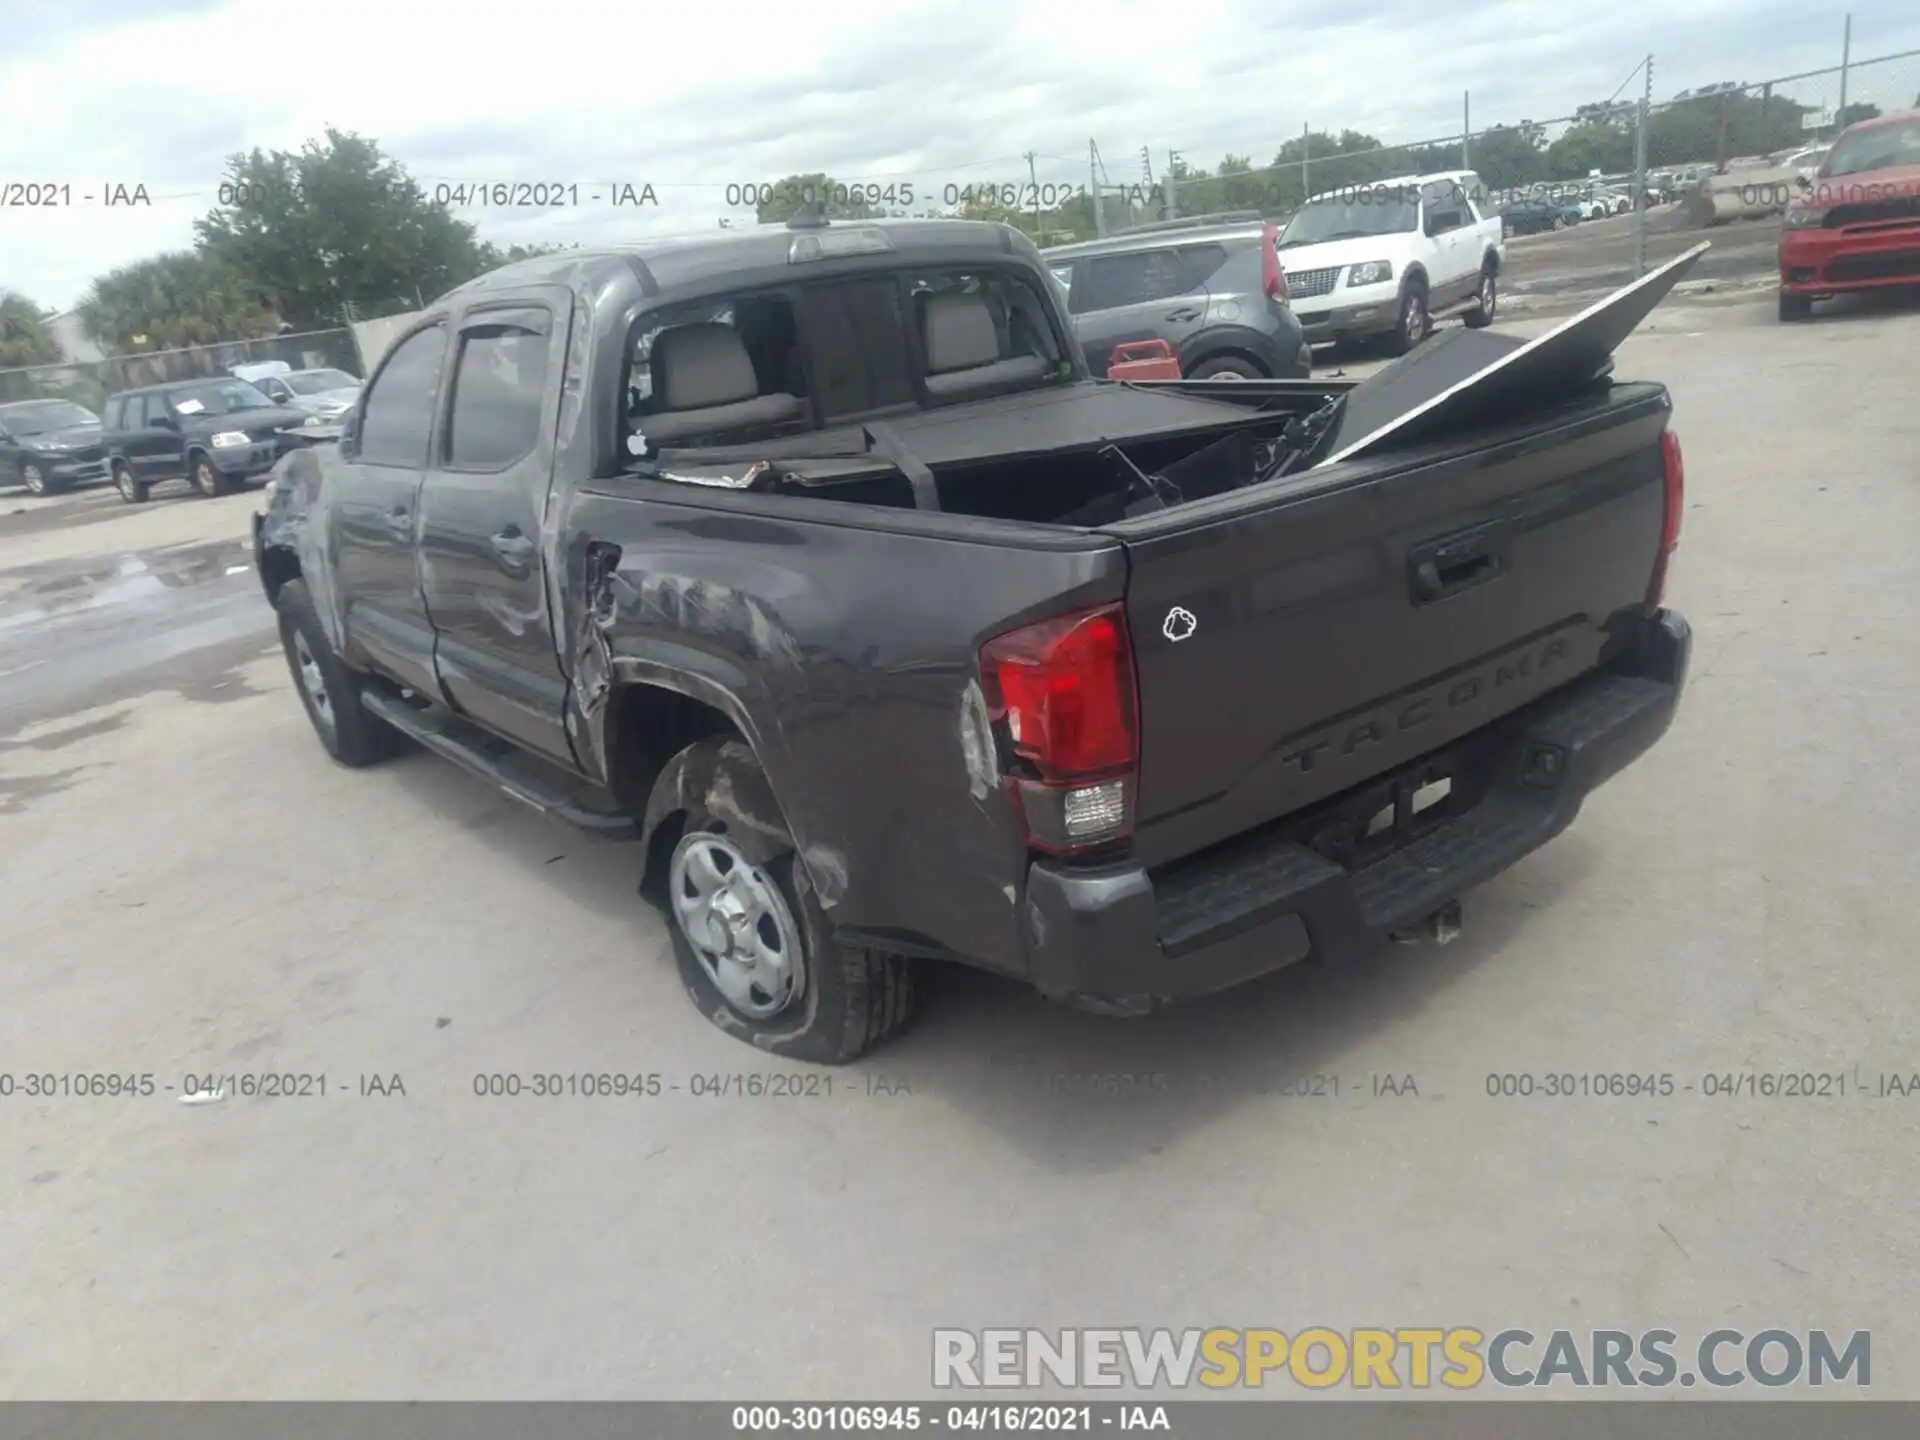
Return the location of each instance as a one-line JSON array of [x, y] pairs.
[[1296, 638]]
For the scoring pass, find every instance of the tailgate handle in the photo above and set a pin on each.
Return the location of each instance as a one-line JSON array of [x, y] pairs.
[[1446, 567]]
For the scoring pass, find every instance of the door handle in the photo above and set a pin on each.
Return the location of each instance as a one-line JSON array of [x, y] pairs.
[[1446, 567], [400, 520], [513, 550]]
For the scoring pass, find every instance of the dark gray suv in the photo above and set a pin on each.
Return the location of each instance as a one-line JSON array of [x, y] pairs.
[[1213, 289]]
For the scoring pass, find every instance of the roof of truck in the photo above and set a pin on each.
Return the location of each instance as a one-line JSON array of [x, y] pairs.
[[723, 252]]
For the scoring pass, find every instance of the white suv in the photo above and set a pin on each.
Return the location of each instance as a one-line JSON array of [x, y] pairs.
[[1388, 259]]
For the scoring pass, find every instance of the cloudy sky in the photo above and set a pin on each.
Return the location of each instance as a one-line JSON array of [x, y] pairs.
[[696, 97]]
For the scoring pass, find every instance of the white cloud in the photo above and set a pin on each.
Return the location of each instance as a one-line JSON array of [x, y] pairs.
[[692, 98]]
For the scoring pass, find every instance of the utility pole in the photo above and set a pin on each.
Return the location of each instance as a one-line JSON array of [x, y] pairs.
[[1173, 181], [1846, 55], [1640, 173], [1093, 179], [1033, 175], [1466, 131], [1306, 143]]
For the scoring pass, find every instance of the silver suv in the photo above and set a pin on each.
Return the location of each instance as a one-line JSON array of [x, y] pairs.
[[1211, 287]]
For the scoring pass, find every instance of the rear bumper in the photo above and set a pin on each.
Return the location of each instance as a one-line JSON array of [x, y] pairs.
[[1826, 262], [1123, 938]]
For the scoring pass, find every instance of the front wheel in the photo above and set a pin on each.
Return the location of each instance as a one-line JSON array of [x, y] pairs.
[[207, 479], [1412, 326], [755, 948], [1489, 300], [36, 481], [1559, 222], [131, 490], [329, 691]]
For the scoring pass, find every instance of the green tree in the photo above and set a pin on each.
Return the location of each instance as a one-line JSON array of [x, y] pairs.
[[171, 301], [1333, 162], [1509, 155], [24, 336], [335, 226], [1856, 112], [789, 194], [1588, 146]]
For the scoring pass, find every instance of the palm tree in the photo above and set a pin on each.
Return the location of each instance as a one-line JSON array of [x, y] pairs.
[[24, 336], [173, 301]]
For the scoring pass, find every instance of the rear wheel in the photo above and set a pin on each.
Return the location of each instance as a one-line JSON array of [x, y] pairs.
[[1412, 326], [1482, 313], [131, 490], [1227, 367], [755, 948], [329, 691], [1795, 307]]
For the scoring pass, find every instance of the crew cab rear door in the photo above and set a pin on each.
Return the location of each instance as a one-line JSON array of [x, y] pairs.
[[1297, 637]]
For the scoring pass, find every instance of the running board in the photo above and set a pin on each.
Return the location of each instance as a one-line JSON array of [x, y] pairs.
[[531, 781]]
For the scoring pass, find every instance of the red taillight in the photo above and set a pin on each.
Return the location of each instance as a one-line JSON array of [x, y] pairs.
[[1676, 502], [1061, 692], [1273, 279]]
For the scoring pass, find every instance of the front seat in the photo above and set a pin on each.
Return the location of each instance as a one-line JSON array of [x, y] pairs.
[[963, 349], [705, 385]]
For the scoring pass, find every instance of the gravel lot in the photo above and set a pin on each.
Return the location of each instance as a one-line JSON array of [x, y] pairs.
[[189, 886]]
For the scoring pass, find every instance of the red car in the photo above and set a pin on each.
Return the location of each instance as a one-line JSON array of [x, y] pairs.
[[1856, 224]]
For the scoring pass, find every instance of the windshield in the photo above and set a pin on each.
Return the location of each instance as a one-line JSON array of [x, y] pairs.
[[315, 382], [1883, 148], [39, 416], [1351, 215], [219, 397]]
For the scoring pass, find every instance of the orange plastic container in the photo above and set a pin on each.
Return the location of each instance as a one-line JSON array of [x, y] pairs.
[[1143, 360]]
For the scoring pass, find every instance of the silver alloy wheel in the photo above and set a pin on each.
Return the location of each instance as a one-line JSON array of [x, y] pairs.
[[1415, 320], [739, 925], [204, 479], [35, 479], [123, 480], [1488, 296], [313, 681]]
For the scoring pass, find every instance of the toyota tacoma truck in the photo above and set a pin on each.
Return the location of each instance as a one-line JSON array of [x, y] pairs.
[[812, 560]]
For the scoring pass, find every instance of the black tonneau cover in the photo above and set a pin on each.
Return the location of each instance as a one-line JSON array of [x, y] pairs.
[[1487, 379]]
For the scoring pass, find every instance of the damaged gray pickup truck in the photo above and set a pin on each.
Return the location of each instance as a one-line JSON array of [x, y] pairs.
[[811, 558]]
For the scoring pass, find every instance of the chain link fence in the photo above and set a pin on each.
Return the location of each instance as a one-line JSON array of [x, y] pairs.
[[90, 383]]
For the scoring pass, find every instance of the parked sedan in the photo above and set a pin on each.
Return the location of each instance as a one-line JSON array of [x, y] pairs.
[[1532, 216], [48, 445], [1856, 225], [328, 393]]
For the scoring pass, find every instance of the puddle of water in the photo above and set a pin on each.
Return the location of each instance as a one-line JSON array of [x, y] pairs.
[[72, 735], [35, 594]]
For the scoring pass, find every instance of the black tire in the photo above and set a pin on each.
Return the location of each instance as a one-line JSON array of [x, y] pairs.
[[1795, 307], [842, 999], [1227, 367], [328, 690], [1482, 313], [131, 490], [206, 477], [39, 484], [1414, 323]]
